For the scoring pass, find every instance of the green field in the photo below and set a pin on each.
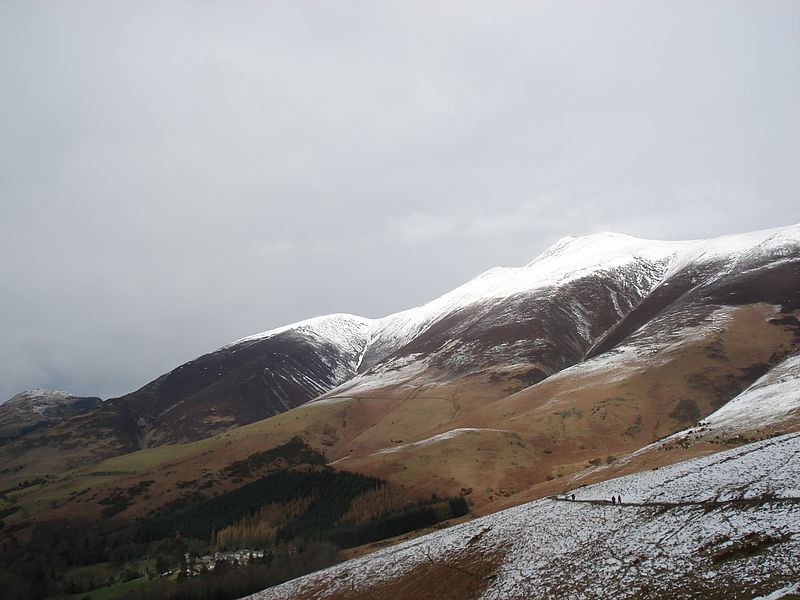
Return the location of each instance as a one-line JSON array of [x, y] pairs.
[[111, 591]]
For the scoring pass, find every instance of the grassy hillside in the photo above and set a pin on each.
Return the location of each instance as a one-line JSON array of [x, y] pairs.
[[300, 511]]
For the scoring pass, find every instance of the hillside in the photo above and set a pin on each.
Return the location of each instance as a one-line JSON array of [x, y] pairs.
[[768, 407], [720, 527]]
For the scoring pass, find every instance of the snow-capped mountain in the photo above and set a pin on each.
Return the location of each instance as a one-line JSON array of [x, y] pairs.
[[723, 526], [541, 317], [607, 306], [251, 379], [578, 295], [606, 356], [33, 409], [568, 260]]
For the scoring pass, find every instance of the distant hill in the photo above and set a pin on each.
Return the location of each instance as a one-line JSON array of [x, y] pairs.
[[33, 409]]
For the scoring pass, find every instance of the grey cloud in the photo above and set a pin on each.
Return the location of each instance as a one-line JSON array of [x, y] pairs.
[[177, 175], [420, 226]]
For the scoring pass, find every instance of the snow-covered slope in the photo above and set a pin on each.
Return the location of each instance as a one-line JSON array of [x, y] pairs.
[[724, 526], [350, 334], [577, 277], [567, 260], [773, 399], [752, 471]]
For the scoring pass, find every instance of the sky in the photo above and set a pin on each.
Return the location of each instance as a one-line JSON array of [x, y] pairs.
[[178, 175]]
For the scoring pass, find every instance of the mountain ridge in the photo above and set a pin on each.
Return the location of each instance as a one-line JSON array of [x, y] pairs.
[[506, 329], [494, 282]]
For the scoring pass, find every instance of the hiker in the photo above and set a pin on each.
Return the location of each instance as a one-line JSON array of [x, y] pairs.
[[573, 497], [613, 500], [619, 499]]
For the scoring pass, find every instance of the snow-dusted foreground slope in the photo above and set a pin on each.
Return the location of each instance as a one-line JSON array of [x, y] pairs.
[[767, 468], [722, 526]]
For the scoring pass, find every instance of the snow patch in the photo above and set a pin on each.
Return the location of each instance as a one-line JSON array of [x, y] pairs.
[[447, 435], [343, 329], [38, 400], [781, 593], [771, 399], [394, 373]]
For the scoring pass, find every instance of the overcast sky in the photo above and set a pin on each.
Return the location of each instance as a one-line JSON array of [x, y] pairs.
[[176, 175]]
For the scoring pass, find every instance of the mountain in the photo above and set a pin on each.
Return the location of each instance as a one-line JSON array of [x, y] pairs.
[[534, 320], [596, 348], [245, 381], [579, 299], [249, 380], [604, 357], [724, 526], [34, 409], [716, 315]]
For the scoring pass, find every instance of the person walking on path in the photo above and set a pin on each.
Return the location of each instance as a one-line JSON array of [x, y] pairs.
[[613, 500], [619, 499]]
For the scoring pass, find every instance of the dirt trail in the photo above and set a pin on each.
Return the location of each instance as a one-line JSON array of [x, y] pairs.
[[704, 503]]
